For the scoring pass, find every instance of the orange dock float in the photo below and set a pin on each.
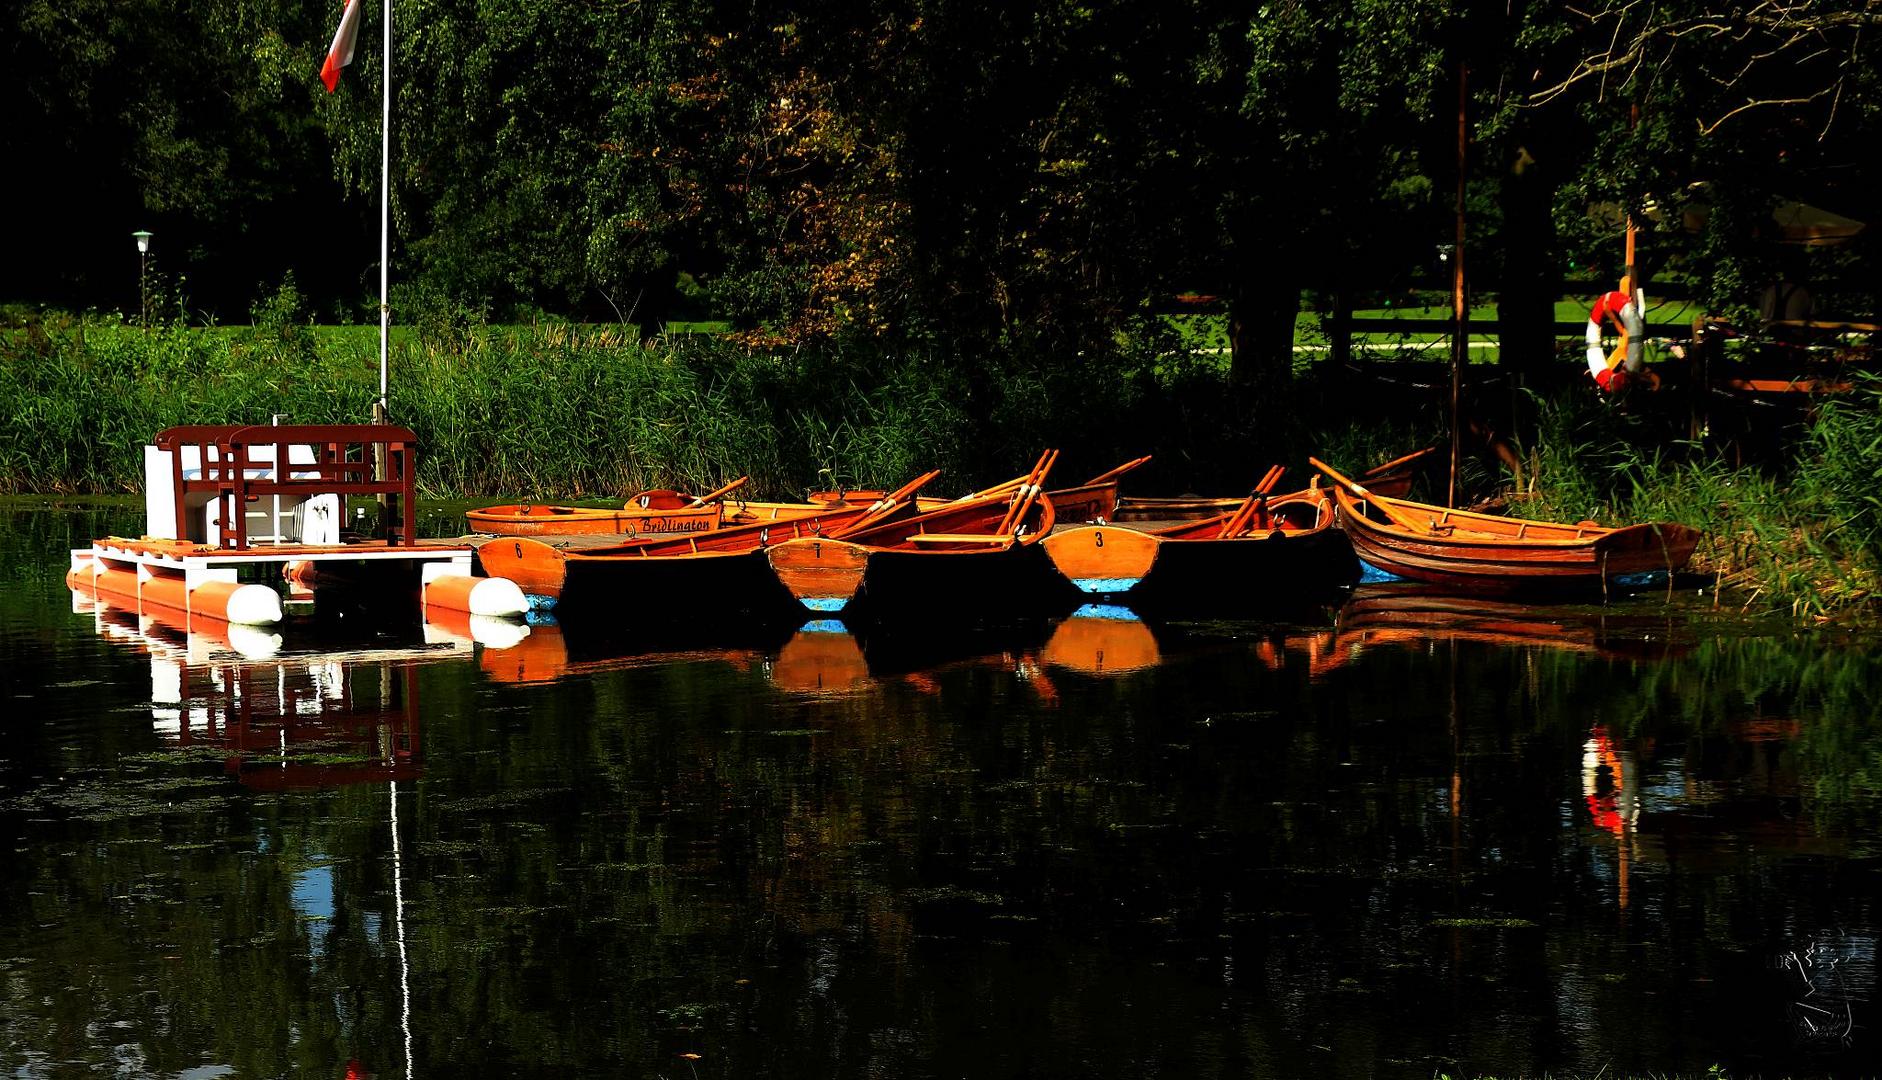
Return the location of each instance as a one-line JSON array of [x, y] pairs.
[[234, 512]]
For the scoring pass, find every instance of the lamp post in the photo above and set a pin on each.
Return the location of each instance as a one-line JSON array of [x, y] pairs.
[[142, 236]]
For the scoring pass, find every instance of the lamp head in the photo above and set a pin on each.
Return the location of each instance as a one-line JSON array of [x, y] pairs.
[[143, 241]]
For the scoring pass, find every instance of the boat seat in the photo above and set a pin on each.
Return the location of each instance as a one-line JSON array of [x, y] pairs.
[[961, 538]]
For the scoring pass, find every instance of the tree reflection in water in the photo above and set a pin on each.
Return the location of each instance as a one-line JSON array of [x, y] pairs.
[[1390, 842]]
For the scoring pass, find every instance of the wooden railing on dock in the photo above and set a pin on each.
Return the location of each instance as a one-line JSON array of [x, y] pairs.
[[345, 463]]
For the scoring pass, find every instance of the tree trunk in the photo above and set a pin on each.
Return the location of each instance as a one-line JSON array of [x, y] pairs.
[[1526, 301], [1340, 331], [1261, 339]]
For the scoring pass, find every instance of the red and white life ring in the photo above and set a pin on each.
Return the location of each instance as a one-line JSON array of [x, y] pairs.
[[1627, 311]]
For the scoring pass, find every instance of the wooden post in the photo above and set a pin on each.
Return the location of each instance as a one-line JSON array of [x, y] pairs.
[[1340, 331], [379, 472], [1633, 280], [1460, 311]]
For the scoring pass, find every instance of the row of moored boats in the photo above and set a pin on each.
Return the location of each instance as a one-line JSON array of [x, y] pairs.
[[1023, 547]]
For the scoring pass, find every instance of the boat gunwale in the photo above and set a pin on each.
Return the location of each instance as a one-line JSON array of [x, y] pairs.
[[1461, 536]]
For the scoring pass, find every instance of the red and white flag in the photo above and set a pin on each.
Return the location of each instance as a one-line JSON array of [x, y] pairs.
[[341, 54]]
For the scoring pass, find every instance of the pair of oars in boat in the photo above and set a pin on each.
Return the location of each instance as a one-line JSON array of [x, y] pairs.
[[1018, 481], [1027, 493], [1399, 517], [1006, 486], [882, 507], [1256, 505]]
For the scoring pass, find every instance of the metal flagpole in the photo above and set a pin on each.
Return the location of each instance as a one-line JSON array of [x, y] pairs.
[[385, 217], [380, 414]]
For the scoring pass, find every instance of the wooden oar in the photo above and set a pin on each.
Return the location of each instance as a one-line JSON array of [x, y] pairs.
[[1397, 461], [1001, 488], [1399, 517], [1028, 491], [1117, 472], [701, 500], [881, 507], [1237, 522]]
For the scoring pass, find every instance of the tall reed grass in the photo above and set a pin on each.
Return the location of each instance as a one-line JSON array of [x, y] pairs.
[[567, 412], [1801, 533], [557, 411]]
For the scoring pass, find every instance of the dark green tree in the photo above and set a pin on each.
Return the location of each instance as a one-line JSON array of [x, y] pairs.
[[193, 121]]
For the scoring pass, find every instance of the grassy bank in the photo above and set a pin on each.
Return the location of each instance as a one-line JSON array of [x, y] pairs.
[[560, 411], [568, 412], [1801, 533]]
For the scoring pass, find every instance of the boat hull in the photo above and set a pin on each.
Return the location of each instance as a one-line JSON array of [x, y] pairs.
[[824, 575], [642, 585], [525, 519], [990, 585], [1522, 556], [1086, 502], [1189, 569], [1194, 576], [858, 582], [530, 520]]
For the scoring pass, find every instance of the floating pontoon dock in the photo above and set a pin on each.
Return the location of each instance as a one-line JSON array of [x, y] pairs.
[[228, 507]]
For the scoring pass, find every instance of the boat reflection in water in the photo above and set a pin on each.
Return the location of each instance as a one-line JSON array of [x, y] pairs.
[[824, 657], [284, 721], [1099, 639], [1407, 615]]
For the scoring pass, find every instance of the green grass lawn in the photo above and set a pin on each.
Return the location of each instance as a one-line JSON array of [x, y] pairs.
[[1210, 332]]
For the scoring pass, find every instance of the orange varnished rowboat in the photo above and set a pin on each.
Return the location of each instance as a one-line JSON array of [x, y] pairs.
[[659, 511], [1392, 478], [977, 555], [1263, 550], [1094, 500], [1485, 552], [702, 576], [653, 513], [667, 513], [530, 519]]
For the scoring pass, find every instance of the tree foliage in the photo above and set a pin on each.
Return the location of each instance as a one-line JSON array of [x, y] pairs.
[[1032, 177]]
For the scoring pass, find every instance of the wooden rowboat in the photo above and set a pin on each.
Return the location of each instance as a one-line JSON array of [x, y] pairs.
[[667, 513], [528, 519], [1392, 478], [701, 576], [1485, 552], [656, 520], [659, 511], [650, 513], [1265, 550], [1094, 500], [977, 555]]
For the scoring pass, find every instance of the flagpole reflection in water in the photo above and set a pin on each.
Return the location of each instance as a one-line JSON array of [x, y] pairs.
[[398, 926]]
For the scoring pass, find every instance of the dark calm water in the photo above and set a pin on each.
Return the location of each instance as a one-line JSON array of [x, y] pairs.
[[1405, 839]]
